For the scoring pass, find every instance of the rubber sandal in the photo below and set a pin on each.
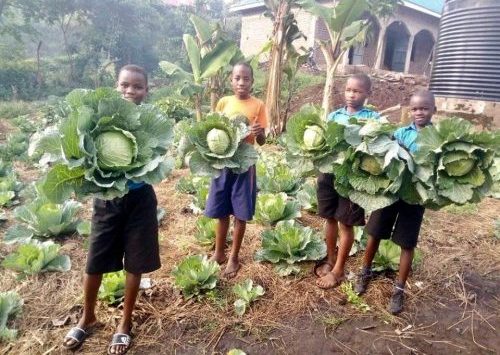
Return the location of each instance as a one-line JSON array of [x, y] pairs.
[[120, 339], [78, 335]]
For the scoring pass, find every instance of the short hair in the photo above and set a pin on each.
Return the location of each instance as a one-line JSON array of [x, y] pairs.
[[365, 80], [135, 69], [245, 64], [425, 94]]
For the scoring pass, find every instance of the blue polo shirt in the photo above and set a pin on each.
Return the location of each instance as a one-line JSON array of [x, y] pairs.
[[134, 185], [342, 116], [407, 137]]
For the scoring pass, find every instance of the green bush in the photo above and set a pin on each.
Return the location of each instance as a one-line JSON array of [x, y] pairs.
[[12, 109], [17, 80]]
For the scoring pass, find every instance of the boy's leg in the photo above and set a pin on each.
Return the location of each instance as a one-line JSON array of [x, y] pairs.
[[366, 274], [233, 264], [397, 298], [91, 283], [132, 282], [220, 240], [337, 275], [331, 235]]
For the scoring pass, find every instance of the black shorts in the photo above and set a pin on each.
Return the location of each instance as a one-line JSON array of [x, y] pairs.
[[125, 234], [400, 222], [332, 205]]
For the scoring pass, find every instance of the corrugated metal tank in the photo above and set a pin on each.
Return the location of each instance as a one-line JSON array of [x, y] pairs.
[[467, 55]]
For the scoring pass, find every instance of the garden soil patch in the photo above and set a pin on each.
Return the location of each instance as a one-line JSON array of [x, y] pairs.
[[452, 304]]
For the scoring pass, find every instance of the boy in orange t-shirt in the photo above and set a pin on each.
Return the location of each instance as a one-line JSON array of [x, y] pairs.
[[230, 193]]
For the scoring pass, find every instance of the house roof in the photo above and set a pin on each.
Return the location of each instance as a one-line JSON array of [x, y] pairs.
[[430, 7]]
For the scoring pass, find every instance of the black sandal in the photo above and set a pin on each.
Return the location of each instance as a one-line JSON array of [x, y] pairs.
[[120, 339], [78, 335]]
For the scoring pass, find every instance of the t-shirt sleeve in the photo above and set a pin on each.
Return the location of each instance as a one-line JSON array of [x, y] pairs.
[[262, 115], [220, 105]]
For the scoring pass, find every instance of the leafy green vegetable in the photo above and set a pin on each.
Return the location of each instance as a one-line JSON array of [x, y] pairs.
[[195, 274], [9, 185], [455, 164], [325, 142], [272, 208], [236, 352], [112, 289], [42, 218], [275, 175], [190, 184], [205, 231], [84, 228], [200, 199], [246, 293], [105, 141], [10, 307], [352, 297], [388, 254], [174, 108], [307, 197], [289, 243], [215, 150], [35, 257], [375, 166]]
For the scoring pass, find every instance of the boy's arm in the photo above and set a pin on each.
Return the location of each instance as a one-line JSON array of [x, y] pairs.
[[258, 128]]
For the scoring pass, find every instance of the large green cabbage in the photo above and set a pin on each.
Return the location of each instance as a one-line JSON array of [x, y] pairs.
[[213, 152], [455, 164], [376, 166], [41, 218], [274, 207], [311, 143], [289, 243], [102, 143], [275, 175]]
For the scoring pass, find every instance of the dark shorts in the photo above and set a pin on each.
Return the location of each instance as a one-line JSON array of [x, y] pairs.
[[332, 205], [233, 194], [400, 222], [125, 234]]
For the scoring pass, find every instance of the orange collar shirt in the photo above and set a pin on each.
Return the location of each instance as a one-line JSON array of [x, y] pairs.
[[252, 108]]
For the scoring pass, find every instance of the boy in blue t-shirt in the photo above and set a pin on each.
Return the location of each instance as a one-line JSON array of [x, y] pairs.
[[400, 221], [340, 213]]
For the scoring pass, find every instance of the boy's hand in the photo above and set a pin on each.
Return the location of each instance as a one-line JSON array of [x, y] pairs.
[[259, 133]]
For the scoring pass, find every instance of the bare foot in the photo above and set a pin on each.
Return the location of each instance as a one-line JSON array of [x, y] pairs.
[[330, 280], [232, 268], [84, 324], [219, 259], [323, 269], [120, 349]]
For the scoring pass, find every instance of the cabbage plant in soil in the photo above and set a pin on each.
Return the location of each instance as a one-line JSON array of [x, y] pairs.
[[311, 143], [9, 185], [102, 143], [41, 218], [289, 243], [195, 274], [275, 175], [10, 307], [375, 168], [455, 164], [219, 143], [272, 208], [307, 196]]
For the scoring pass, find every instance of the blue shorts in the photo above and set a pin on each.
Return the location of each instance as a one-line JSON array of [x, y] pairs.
[[234, 194]]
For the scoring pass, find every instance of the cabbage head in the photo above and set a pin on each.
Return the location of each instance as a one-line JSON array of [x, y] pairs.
[[375, 169], [195, 274], [311, 143], [219, 143], [274, 174], [272, 207], [289, 243], [41, 219], [455, 163], [101, 143]]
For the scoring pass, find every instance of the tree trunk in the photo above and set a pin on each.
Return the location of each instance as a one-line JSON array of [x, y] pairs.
[[38, 66], [275, 70]]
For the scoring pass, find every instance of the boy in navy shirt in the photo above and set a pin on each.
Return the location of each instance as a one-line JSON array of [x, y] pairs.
[[400, 221]]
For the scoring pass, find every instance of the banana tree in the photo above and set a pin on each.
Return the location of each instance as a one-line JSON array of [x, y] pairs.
[[347, 24], [283, 57], [210, 53]]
